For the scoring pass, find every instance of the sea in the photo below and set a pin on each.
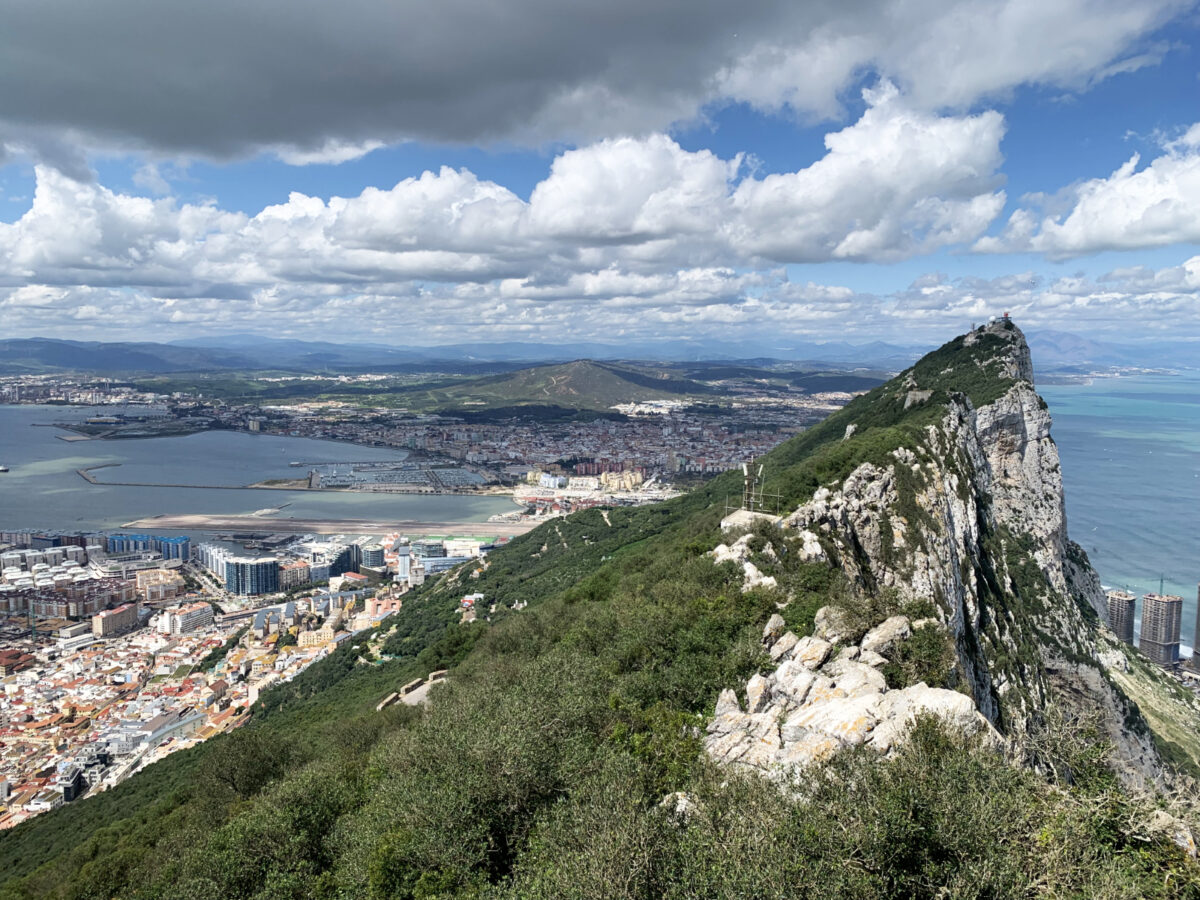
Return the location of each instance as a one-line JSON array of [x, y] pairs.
[[43, 490], [1130, 451]]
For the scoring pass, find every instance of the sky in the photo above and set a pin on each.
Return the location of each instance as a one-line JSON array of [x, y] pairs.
[[433, 173]]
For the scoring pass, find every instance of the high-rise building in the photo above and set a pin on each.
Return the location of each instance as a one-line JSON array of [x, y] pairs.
[[213, 558], [1121, 610], [428, 549], [173, 547], [1196, 639], [252, 576], [403, 562], [1161, 618], [293, 574]]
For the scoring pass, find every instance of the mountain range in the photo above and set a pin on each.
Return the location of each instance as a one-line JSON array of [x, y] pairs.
[[249, 352]]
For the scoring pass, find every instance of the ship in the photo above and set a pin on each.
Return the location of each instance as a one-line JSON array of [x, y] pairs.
[[3, 468]]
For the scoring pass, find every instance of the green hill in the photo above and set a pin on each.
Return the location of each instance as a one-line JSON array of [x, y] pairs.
[[564, 755], [583, 384]]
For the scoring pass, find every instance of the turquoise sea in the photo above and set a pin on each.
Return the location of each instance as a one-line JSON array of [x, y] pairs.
[[1130, 449]]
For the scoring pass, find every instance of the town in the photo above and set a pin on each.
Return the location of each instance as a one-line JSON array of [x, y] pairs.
[[461, 450], [121, 649]]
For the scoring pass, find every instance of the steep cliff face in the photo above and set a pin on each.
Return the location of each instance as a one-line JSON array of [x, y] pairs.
[[953, 497]]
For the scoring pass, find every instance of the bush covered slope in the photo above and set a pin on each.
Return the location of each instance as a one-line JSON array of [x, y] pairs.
[[552, 761]]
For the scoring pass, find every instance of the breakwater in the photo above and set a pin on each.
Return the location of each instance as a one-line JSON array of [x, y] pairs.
[[86, 475]]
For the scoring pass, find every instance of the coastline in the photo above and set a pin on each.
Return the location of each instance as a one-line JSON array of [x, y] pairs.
[[213, 524], [284, 485]]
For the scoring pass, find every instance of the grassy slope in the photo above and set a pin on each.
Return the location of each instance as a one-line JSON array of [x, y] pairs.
[[1169, 709]]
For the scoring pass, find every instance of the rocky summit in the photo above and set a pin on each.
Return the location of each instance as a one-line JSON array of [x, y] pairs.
[[950, 497]]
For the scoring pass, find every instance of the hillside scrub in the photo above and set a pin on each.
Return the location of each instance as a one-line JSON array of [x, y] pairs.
[[541, 766]]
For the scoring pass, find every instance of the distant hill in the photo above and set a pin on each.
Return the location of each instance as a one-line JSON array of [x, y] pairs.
[[1053, 350], [582, 384], [42, 355], [1062, 350]]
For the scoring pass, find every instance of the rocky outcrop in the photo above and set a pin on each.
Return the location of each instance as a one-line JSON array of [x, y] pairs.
[[739, 552], [966, 513], [827, 695]]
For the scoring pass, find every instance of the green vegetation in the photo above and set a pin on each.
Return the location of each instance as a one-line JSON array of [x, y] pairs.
[[218, 654], [974, 369], [541, 765], [563, 389]]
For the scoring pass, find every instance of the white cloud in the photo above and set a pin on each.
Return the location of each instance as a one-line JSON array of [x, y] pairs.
[[896, 183], [150, 178], [623, 237], [1118, 306], [1133, 208], [331, 152], [614, 306]]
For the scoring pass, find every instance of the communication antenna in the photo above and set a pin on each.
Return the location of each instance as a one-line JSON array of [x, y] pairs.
[[754, 496], [752, 493]]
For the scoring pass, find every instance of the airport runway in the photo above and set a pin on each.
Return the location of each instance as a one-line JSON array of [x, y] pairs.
[[264, 524]]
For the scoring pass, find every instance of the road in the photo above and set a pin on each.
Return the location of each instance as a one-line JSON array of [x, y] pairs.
[[256, 524]]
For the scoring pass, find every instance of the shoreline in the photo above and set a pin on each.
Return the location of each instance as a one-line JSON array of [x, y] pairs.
[[213, 524], [86, 474]]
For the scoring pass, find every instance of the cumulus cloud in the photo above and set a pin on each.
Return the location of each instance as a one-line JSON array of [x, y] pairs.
[[321, 82], [1134, 207], [624, 237], [895, 183]]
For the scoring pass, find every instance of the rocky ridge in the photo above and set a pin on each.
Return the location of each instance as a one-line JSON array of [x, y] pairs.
[[964, 511]]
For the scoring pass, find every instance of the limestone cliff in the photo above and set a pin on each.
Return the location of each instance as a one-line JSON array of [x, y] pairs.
[[952, 495]]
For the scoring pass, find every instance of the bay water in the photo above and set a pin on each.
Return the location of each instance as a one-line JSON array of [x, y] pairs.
[[42, 489]]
